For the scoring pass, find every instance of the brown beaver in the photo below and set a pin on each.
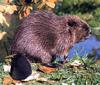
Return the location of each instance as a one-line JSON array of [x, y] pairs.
[[42, 35]]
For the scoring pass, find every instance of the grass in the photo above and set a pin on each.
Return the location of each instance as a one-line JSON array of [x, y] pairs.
[[88, 73], [88, 10]]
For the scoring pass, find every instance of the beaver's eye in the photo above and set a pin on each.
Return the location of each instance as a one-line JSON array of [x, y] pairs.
[[72, 23]]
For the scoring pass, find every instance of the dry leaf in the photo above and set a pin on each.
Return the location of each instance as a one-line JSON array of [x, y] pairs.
[[2, 8], [98, 61], [18, 84], [2, 34], [42, 79], [6, 68], [64, 84], [24, 11], [35, 1], [27, 12], [8, 81], [41, 5], [76, 63], [3, 20], [8, 8], [50, 4], [46, 69], [8, 1], [52, 1]]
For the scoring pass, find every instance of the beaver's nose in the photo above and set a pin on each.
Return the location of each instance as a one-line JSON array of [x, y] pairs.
[[90, 35], [90, 32]]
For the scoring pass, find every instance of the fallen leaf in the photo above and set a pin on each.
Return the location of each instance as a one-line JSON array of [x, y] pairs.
[[98, 61], [53, 1], [3, 20], [64, 84], [2, 8], [8, 8], [18, 84], [7, 1], [50, 4], [42, 79], [27, 12], [35, 1], [6, 68], [46, 69], [41, 5], [2, 34], [8, 81], [76, 63]]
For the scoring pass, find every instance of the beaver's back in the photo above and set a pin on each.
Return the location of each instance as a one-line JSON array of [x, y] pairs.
[[37, 32]]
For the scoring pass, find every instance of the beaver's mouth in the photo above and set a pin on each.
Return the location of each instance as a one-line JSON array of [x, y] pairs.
[[85, 38], [89, 35]]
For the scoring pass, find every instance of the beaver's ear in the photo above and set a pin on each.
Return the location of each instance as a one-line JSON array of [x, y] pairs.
[[72, 23], [20, 67]]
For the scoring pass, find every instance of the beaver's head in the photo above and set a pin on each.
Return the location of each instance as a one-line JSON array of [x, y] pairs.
[[77, 28]]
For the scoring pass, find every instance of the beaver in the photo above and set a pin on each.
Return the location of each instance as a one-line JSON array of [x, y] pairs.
[[43, 35]]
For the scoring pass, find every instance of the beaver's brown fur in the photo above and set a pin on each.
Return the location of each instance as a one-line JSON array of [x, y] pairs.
[[43, 34]]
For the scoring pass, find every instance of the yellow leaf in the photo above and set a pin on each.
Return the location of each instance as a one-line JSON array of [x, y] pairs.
[[2, 8], [42, 79], [8, 81], [52, 1], [3, 20], [41, 5], [10, 9], [27, 12], [30, 7], [35, 1], [2, 34], [50, 4], [46, 69]]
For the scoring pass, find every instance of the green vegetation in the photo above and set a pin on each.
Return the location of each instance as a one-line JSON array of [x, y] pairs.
[[2, 73], [88, 73], [89, 10], [85, 73]]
